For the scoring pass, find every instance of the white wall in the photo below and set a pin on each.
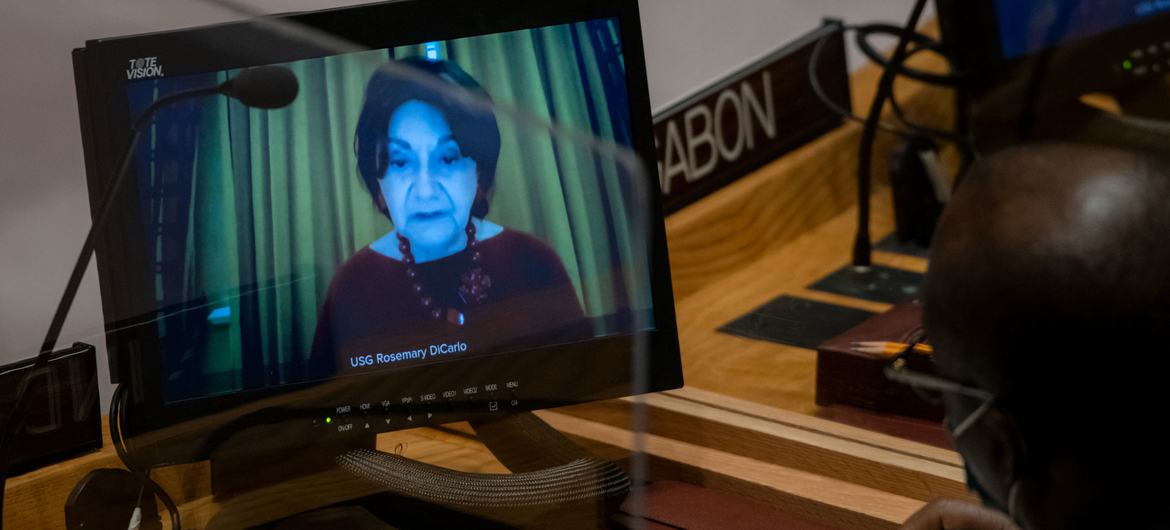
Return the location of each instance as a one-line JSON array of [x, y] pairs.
[[44, 209], [691, 42]]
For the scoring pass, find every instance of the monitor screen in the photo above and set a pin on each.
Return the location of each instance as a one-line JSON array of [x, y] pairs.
[[379, 223], [1029, 26]]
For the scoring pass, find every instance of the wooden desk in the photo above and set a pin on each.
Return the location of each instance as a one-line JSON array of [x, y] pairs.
[[746, 421], [762, 372]]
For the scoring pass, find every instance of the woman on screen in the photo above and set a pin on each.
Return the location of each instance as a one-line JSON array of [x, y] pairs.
[[445, 275]]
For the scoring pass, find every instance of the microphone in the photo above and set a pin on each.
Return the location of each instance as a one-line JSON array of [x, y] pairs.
[[265, 87], [862, 246], [262, 87]]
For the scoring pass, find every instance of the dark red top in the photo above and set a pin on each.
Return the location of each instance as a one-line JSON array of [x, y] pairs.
[[371, 307]]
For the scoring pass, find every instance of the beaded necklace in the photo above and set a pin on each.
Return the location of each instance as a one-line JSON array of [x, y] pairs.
[[473, 284]]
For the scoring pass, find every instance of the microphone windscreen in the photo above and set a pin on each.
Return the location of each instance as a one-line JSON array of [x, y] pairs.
[[264, 87]]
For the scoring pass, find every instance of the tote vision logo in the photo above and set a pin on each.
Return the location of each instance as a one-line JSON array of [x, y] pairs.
[[144, 67]]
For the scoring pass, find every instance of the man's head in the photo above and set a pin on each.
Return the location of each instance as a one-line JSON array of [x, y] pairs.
[[1049, 287]]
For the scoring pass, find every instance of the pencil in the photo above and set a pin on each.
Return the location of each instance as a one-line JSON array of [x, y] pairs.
[[889, 349]]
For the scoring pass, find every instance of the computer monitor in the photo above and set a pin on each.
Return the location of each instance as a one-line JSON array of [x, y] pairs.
[[1029, 26], [1077, 45], [387, 251]]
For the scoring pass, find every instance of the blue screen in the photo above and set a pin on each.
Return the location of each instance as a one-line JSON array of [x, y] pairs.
[[1028, 26]]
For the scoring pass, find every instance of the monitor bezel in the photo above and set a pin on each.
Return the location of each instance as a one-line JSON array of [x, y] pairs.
[[105, 124]]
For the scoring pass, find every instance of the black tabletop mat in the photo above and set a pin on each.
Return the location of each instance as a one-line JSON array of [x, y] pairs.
[[796, 322], [876, 283]]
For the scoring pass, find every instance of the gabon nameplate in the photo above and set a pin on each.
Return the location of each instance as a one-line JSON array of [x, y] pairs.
[[749, 118]]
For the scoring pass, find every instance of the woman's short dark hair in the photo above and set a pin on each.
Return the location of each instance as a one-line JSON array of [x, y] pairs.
[[473, 126]]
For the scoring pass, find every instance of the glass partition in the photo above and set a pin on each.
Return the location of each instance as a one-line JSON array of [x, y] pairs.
[[405, 265]]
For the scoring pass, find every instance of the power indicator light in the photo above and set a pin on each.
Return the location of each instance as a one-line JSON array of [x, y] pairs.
[[328, 419], [1128, 64]]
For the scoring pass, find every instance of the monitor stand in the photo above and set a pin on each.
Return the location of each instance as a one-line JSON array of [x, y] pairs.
[[553, 481]]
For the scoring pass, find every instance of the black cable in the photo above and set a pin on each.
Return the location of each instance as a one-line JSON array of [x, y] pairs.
[[117, 412], [964, 130], [961, 136], [814, 78], [166, 499], [115, 420], [907, 128], [862, 246], [921, 43]]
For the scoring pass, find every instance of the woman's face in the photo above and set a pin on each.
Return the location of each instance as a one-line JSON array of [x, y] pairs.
[[429, 185]]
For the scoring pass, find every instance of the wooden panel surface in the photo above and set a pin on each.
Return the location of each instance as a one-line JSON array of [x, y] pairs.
[[790, 439], [806, 495]]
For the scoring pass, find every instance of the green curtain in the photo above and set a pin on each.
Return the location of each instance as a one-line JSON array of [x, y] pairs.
[[560, 187], [277, 204]]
